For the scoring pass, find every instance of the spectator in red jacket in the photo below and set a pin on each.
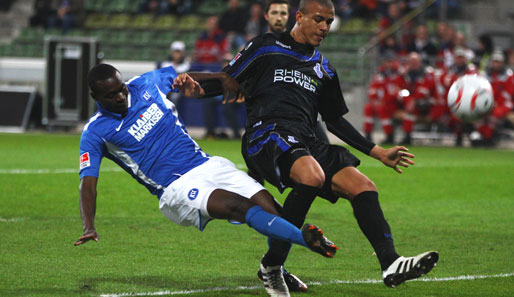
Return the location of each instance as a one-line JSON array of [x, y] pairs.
[[502, 81], [382, 98], [418, 93], [212, 44]]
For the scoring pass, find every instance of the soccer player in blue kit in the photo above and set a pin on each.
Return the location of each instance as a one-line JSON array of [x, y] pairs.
[[139, 129]]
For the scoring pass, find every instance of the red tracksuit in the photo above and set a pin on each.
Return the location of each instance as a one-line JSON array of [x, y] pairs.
[[382, 100], [503, 90], [422, 97]]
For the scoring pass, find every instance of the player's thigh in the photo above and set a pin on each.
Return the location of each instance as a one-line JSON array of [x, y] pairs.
[[306, 170], [187, 200], [349, 182]]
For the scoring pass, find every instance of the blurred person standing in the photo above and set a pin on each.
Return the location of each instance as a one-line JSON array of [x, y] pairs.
[[233, 23], [256, 23], [180, 62], [383, 98], [459, 41], [65, 14], [177, 58], [502, 81], [210, 48], [444, 80], [483, 52], [418, 94], [423, 45], [212, 43]]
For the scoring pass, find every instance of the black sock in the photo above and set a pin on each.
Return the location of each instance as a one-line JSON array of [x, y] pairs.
[[370, 218], [295, 210]]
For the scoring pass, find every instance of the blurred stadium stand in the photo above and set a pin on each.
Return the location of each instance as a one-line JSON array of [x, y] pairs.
[[133, 41]]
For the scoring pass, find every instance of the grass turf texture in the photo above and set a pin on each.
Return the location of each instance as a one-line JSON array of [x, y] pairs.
[[455, 200]]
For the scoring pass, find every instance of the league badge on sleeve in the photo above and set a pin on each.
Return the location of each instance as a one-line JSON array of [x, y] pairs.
[[235, 59], [84, 160]]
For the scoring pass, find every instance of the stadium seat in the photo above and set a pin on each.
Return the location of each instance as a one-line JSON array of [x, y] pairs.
[[164, 38], [165, 22], [120, 37], [142, 21], [212, 7], [96, 21], [120, 21], [30, 34]]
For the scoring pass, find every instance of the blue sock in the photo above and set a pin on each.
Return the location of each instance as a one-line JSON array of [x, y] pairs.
[[273, 226]]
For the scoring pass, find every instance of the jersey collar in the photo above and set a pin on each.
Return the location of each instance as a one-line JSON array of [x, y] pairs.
[[288, 39], [109, 113]]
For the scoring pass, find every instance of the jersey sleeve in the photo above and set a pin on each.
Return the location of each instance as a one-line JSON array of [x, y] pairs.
[[332, 105], [92, 150], [163, 77], [242, 64]]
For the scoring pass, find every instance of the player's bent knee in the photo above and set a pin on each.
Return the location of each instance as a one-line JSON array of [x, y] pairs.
[[266, 201], [227, 205]]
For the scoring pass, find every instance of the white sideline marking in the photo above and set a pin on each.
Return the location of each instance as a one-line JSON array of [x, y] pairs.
[[350, 282], [11, 220], [51, 171], [242, 166]]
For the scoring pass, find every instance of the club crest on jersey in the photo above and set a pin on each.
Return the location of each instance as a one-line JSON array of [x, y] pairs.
[[291, 139], [84, 160], [146, 95], [193, 193], [147, 120], [235, 59], [317, 69]]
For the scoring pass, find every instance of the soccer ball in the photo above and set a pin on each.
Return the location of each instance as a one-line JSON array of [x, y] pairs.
[[470, 97]]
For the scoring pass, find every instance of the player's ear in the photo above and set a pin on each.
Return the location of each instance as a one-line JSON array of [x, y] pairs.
[[93, 96], [266, 17], [299, 16]]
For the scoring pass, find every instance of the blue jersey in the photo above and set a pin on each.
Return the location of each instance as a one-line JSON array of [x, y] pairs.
[[149, 142]]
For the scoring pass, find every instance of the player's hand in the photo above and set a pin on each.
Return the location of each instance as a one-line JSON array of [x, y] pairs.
[[188, 86], [393, 157], [232, 91], [87, 237]]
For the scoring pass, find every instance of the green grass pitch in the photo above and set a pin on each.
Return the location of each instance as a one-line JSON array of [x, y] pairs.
[[458, 201]]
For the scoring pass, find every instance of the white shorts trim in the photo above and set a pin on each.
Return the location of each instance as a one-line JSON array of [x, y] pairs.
[[185, 200]]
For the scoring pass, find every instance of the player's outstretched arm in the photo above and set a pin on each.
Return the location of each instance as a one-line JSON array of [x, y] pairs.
[[188, 86], [393, 157], [88, 209], [219, 83]]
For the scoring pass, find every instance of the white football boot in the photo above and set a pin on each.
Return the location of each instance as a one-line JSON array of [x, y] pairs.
[[404, 269], [274, 282]]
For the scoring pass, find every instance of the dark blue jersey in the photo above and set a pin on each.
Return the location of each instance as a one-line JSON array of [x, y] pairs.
[[287, 80]]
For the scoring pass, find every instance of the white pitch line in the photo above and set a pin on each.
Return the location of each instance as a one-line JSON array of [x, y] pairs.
[[242, 166], [52, 171], [11, 220], [349, 282]]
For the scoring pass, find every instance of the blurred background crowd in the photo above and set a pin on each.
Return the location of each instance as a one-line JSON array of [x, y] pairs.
[[406, 53]]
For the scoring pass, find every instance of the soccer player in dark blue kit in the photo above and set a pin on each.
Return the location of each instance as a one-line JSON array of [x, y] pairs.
[[287, 82], [138, 128]]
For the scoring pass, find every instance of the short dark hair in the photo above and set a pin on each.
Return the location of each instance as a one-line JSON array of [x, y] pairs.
[[99, 72], [269, 2], [304, 3]]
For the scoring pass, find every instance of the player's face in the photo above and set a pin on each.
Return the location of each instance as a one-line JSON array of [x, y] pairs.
[[277, 16], [315, 23], [112, 94]]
